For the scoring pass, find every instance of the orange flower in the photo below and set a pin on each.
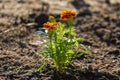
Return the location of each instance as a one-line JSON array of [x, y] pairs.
[[50, 25], [67, 14]]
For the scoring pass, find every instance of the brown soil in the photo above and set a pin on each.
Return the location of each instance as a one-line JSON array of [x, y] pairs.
[[98, 21]]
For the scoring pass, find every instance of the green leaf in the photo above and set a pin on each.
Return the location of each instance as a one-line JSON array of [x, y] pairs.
[[40, 69], [79, 39], [71, 52], [79, 55]]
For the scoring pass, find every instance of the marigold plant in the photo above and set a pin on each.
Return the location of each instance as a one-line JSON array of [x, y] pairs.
[[62, 44]]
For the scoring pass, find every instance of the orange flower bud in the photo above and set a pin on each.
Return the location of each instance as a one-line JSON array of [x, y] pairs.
[[67, 14]]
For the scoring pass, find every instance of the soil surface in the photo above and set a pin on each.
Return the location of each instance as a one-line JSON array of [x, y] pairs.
[[98, 21]]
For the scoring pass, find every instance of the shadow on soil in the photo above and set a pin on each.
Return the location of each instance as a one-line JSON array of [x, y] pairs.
[[84, 75]]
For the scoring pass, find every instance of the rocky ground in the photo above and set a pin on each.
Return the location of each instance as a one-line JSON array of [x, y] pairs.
[[98, 21]]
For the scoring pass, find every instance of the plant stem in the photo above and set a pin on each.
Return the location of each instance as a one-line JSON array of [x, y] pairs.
[[70, 28], [50, 37]]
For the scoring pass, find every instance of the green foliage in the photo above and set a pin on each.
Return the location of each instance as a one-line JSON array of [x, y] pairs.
[[62, 46]]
